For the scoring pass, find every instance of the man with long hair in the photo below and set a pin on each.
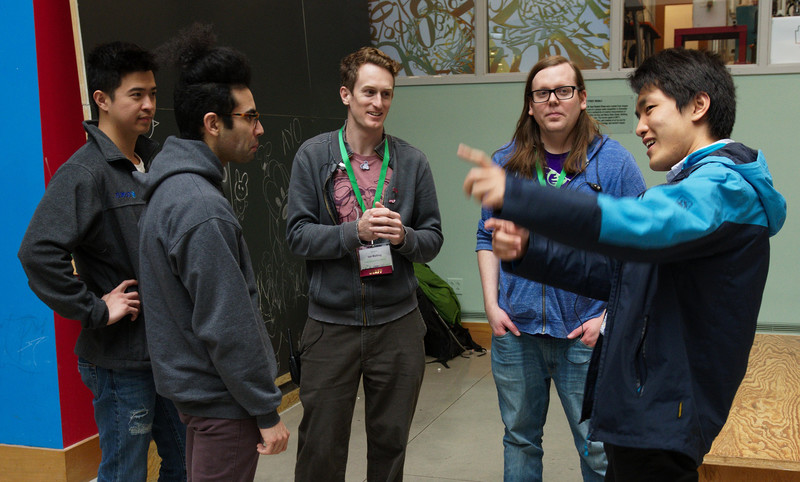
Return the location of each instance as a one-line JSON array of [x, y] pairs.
[[541, 333]]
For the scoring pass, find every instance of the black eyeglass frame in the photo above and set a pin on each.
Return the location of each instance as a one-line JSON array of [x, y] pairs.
[[251, 116], [551, 92]]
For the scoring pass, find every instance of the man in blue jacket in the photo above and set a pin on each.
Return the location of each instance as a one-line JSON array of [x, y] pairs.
[[683, 267]]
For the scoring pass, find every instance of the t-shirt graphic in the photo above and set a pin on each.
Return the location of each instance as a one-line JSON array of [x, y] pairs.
[[343, 197], [555, 162]]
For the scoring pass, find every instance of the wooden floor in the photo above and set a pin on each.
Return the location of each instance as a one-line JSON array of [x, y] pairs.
[[761, 439]]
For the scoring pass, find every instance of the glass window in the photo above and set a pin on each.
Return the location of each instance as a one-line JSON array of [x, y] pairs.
[[522, 32], [728, 27], [456, 41], [427, 37]]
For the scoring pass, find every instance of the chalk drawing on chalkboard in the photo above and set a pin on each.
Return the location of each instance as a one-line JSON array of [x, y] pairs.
[[292, 136], [275, 188], [282, 281], [240, 193]]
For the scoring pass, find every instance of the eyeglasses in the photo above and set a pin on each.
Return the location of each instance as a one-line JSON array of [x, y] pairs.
[[543, 95], [250, 116]]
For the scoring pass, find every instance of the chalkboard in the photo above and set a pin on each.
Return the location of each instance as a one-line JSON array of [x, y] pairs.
[[295, 47]]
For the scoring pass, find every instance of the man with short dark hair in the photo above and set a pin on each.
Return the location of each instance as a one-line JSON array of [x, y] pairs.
[[89, 215], [210, 349], [683, 267], [362, 208]]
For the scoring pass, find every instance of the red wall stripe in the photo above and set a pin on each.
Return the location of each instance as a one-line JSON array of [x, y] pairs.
[[62, 134]]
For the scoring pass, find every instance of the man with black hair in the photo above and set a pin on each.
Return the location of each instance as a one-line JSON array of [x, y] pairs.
[[210, 349], [89, 215], [683, 267]]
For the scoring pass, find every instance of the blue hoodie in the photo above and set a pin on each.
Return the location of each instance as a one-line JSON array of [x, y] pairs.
[[683, 268], [538, 309]]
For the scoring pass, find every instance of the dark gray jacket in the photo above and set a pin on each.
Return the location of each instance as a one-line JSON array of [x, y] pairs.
[[89, 213], [337, 293], [210, 350]]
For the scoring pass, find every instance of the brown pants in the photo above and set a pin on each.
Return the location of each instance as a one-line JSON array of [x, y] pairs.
[[221, 449], [391, 360]]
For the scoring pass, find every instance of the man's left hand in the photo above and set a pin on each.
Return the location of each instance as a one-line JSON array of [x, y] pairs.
[[382, 222], [590, 331]]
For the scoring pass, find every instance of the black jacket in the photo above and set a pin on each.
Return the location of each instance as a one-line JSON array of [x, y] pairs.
[[89, 213]]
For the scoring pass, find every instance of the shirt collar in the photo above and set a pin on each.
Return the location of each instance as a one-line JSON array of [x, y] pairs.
[[378, 148], [677, 168]]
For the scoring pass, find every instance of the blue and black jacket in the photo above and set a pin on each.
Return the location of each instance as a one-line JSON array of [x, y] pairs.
[[683, 268]]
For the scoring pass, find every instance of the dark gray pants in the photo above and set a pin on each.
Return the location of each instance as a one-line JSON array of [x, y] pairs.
[[391, 360], [221, 449]]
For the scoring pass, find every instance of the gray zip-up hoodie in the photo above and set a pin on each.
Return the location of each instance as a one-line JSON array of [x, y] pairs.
[[209, 347], [337, 293]]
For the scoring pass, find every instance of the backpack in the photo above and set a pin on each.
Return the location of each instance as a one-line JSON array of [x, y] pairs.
[[445, 338]]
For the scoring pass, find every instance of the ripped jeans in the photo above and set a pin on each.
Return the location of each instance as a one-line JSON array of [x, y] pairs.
[[129, 413]]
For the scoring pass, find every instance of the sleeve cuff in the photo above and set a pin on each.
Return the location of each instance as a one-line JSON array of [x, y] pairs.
[[269, 420]]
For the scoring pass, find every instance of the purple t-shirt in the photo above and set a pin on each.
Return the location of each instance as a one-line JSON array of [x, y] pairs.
[[555, 162]]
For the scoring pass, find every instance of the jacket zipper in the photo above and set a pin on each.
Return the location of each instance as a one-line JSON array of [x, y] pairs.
[[641, 359], [336, 220], [544, 309], [328, 201]]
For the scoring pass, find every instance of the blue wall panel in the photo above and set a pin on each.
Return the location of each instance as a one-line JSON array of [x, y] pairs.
[[29, 399]]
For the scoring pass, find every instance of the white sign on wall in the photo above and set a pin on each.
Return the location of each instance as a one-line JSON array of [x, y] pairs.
[[785, 42], [615, 112]]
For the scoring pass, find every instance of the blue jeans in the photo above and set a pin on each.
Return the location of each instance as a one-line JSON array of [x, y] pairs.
[[129, 413], [522, 368]]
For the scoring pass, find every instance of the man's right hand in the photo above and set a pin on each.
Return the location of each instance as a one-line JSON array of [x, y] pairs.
[[121, 303], [509, 241], [500, 322], [275, 439]]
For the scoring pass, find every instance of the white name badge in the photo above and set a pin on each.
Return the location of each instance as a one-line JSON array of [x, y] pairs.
[[375, 259]]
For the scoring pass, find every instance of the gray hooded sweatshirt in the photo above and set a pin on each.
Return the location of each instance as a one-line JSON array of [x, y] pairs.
[[210, 351]]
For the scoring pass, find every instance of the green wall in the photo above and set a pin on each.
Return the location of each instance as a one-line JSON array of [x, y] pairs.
[[436, 118]]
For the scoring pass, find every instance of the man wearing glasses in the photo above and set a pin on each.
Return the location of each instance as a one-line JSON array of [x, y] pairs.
[[210, 349], [540, 333]]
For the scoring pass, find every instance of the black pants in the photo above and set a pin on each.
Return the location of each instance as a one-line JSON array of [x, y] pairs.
[[627, 464], [389, 360]]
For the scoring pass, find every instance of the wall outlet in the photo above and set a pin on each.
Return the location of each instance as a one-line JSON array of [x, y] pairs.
[[456, 284]]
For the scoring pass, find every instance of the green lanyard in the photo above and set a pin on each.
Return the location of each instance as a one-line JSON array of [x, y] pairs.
[[540, 174], [352, 175]]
